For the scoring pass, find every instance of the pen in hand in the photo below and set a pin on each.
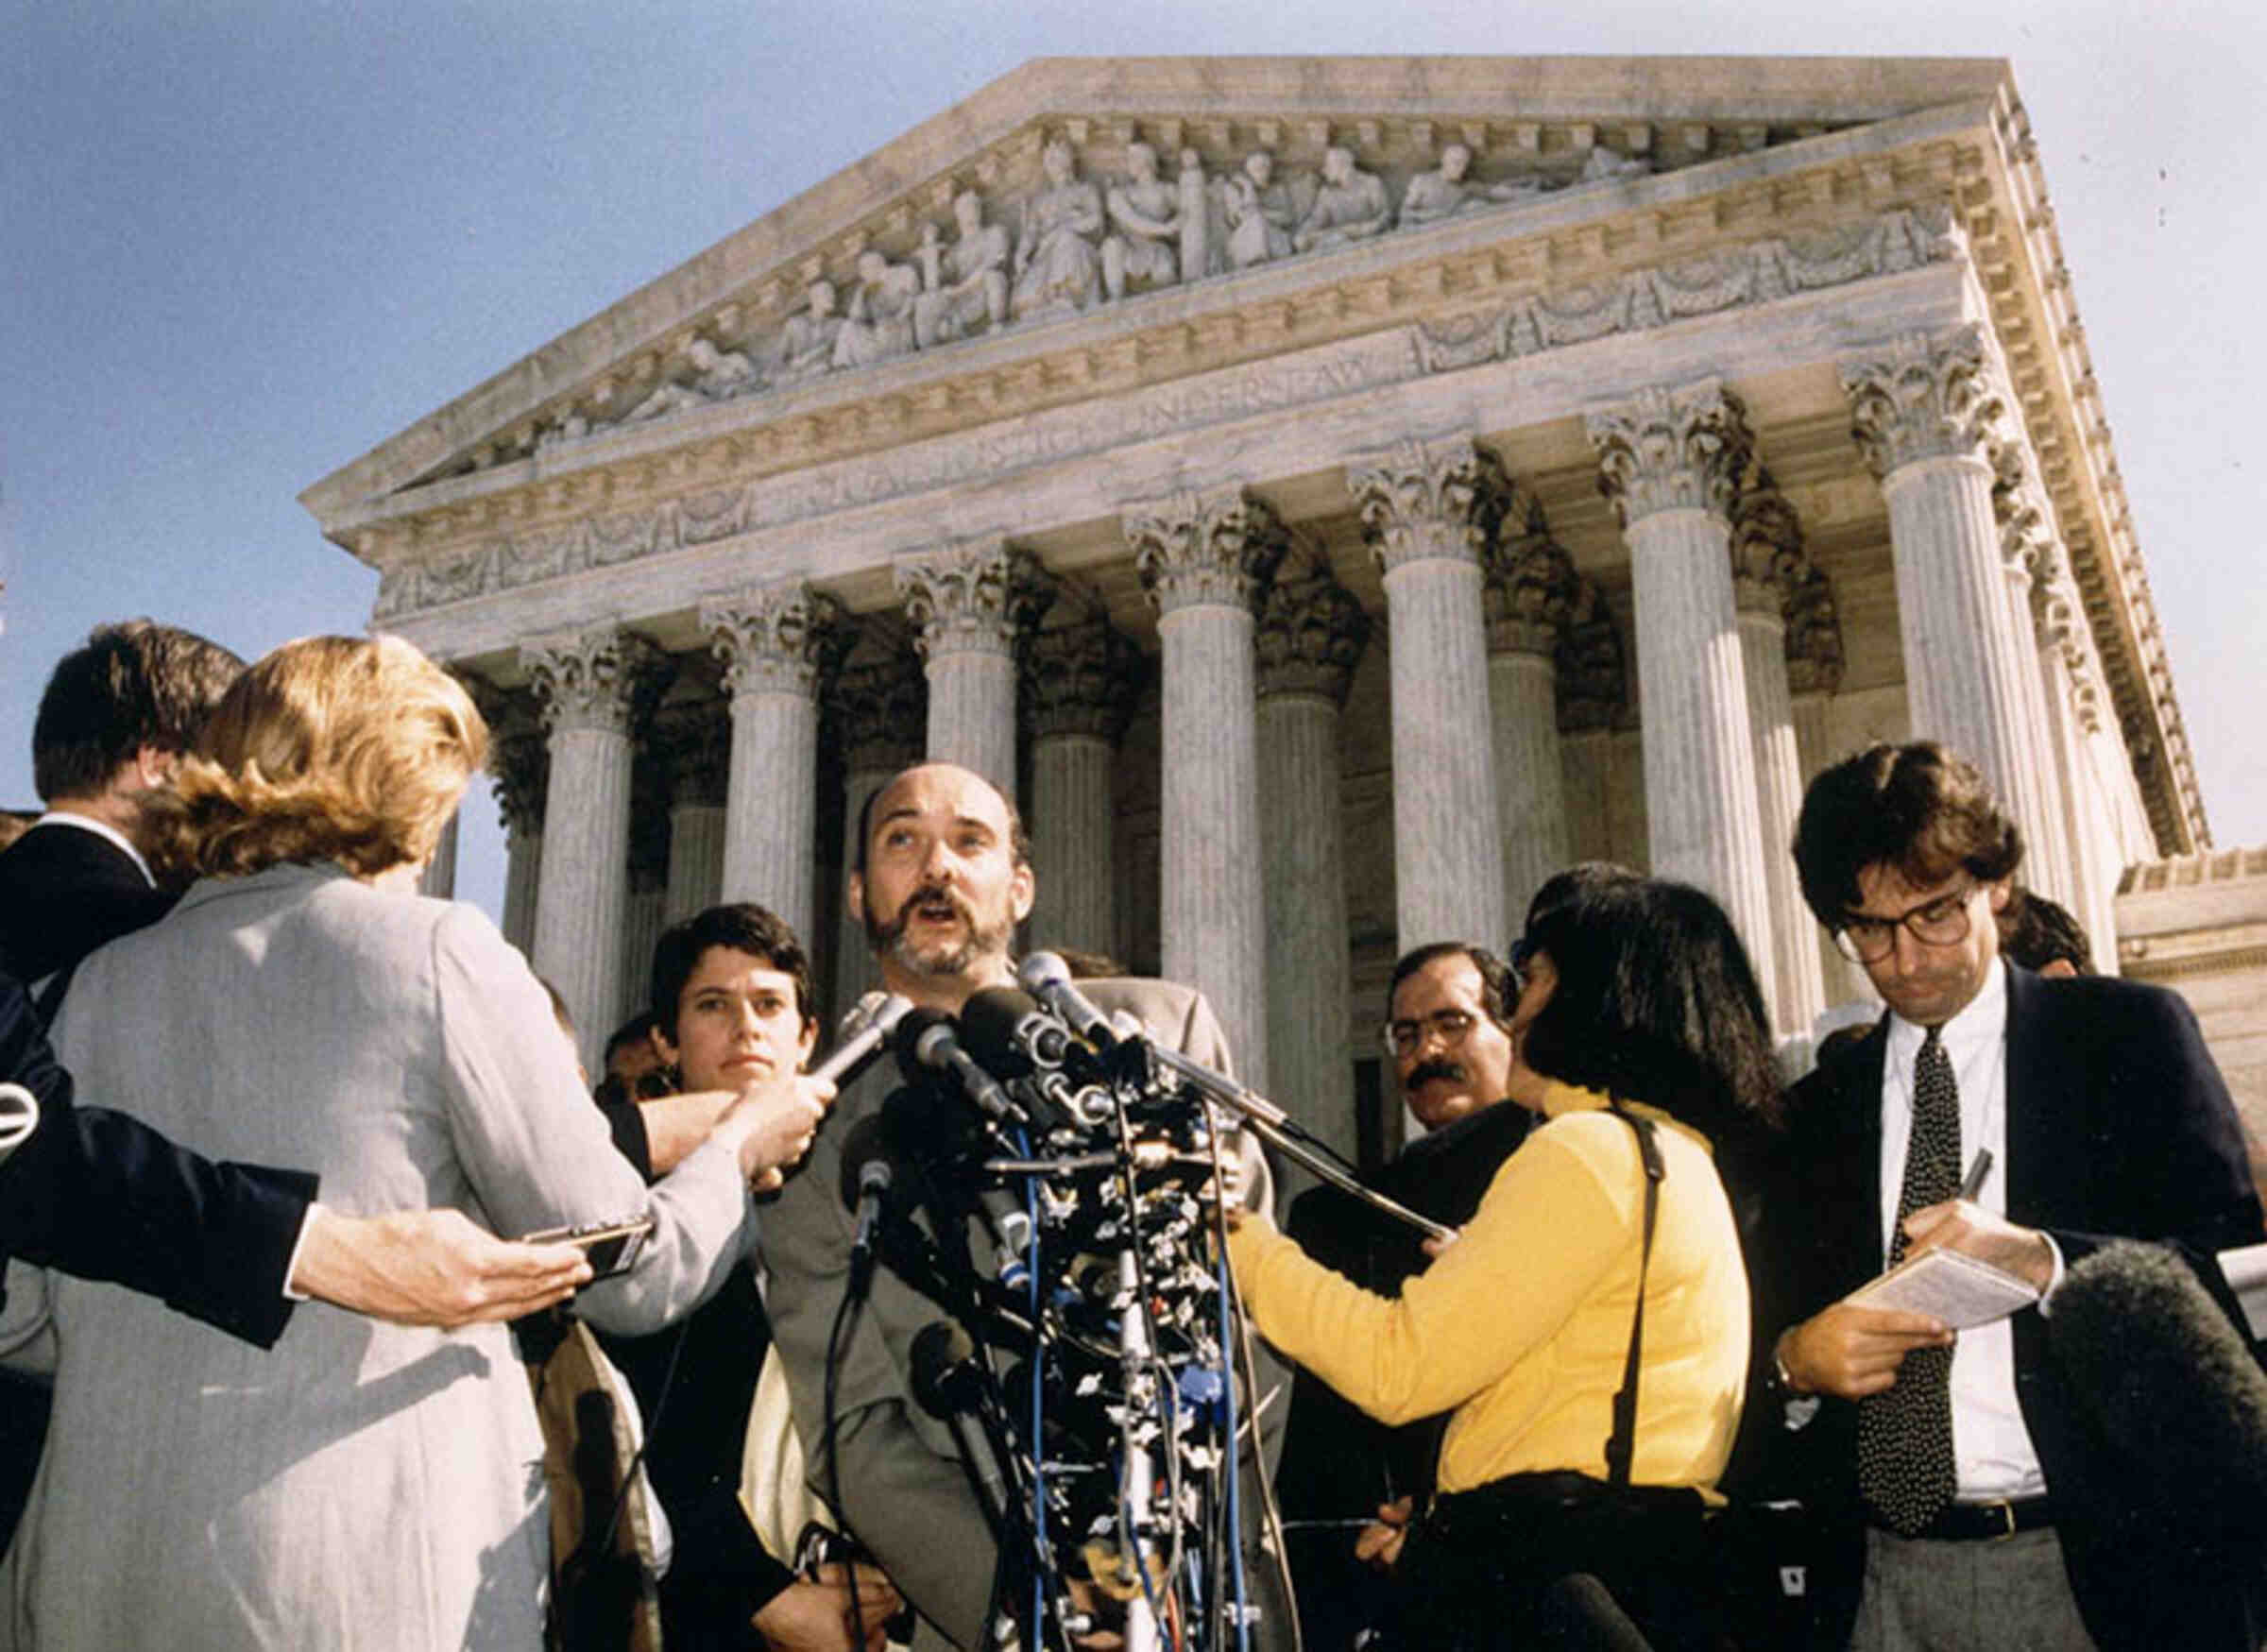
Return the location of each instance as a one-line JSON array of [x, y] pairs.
[[1978, 1167]]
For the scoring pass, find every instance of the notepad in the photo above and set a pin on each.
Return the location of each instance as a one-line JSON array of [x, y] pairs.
[[1949, 1285]]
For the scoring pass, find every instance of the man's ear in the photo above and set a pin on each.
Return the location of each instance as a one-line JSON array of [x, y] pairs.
[[151, 768], [1021, 888], [662, 1047], [2002, 893], [854, 897]]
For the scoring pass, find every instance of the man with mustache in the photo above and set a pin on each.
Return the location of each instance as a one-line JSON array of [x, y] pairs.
[[1348, 1483], [943, 878]]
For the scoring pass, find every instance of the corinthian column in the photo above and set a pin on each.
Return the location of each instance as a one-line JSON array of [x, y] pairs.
[[2072, 673], [519, 765], [1770, 562], [1926, 411], [693, 743], [1429, 508], [776, 641], [880, 702], [968, 604], [2030, 557], [645, 889], [1203, 560], [1311, 637], [1670, 460], [595, 686], [1531, 599], [1079, 681]]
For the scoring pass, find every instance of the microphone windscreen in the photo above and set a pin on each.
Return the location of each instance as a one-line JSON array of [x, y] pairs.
[[906, 1042], [990, 1024], [861, 1147], [2169, 1380]]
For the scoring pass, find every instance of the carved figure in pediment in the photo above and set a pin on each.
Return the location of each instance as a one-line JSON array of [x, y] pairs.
[[965, 285], [721, 374], [879, 323], [1604, 164], [806, 347], [566, 428], [1056, 263], [1144, 227], [1350, 206], [1204, 221], [1259, 211], [1448, 192]]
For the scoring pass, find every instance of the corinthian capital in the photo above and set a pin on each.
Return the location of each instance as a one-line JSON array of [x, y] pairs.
[[1682, 449], [1311, 634], [1214, 549], [973, 596], [880, 704], [777, 638], [1079, 679], [1925, 396], [601, 677], [692, 746], [1429, 500]]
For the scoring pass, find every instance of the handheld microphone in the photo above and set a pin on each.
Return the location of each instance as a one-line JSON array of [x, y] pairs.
[[927, 1044], [866, 1177], [1047, 979], [864, 1031]]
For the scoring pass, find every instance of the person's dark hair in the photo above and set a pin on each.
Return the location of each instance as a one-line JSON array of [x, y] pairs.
[[1563, 886], [1658, 1003], [1020, 841], [743, 926], [2036, 932], [130, 686], [634, 1030], [1919, 809], [1497, 988]]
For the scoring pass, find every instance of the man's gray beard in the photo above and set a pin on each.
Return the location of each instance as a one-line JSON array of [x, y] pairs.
[[888, 941]]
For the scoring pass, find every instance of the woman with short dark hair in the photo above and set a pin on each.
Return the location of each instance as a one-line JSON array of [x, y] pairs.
[[1640, 1037]]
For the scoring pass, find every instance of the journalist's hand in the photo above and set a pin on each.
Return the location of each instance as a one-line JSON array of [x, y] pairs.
[[1851, 1352], [770, 1127]]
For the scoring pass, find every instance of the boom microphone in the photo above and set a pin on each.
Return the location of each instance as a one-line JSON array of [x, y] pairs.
[[1047, 979], [863, 1033], [2171, 1381]]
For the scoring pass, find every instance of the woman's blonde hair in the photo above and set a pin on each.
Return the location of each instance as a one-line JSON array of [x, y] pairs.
[[352, 749]]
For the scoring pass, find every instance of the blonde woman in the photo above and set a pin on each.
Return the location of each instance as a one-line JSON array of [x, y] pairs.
[[360, 1485]]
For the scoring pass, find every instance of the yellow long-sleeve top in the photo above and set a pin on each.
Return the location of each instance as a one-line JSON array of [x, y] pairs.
[[1523, 1324]]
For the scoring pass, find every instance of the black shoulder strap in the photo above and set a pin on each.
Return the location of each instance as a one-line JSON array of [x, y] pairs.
[[1621, 1446]]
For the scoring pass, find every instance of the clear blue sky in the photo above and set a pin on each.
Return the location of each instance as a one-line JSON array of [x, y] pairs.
[[241, 244]]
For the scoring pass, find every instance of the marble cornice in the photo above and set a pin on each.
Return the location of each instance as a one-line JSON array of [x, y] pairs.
[[2018, 254]]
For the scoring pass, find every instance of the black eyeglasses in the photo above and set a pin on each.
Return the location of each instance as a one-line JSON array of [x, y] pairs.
[[1939, 923]]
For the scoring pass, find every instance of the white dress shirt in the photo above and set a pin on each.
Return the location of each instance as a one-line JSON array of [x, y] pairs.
[[1992, 1454]]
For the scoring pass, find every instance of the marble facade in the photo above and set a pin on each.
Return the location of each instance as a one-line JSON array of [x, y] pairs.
[[1329, 494]]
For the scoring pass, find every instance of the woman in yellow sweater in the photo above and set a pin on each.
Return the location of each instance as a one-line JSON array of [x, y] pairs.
[[1639, 1036]]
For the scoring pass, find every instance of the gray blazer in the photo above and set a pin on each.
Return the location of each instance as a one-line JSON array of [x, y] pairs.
[[362, 1485], [903, 1488]]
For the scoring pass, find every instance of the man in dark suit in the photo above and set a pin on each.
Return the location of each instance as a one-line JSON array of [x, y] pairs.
[[113, 721], [1972, 1506]]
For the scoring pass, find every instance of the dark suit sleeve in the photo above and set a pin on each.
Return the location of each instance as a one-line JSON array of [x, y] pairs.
[[100, 1194]]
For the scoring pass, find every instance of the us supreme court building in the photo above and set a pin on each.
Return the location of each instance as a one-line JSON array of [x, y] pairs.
[[1329, 494]]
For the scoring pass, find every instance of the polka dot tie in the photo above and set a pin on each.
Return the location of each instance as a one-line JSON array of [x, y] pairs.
[[1905, 1432]]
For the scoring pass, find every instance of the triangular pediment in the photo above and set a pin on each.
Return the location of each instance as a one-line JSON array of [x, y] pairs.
[[1078, 189]]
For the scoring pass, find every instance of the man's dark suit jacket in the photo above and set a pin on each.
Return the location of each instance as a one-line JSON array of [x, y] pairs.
[[64, 891], [2118, 1126], [1339, 1464]]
